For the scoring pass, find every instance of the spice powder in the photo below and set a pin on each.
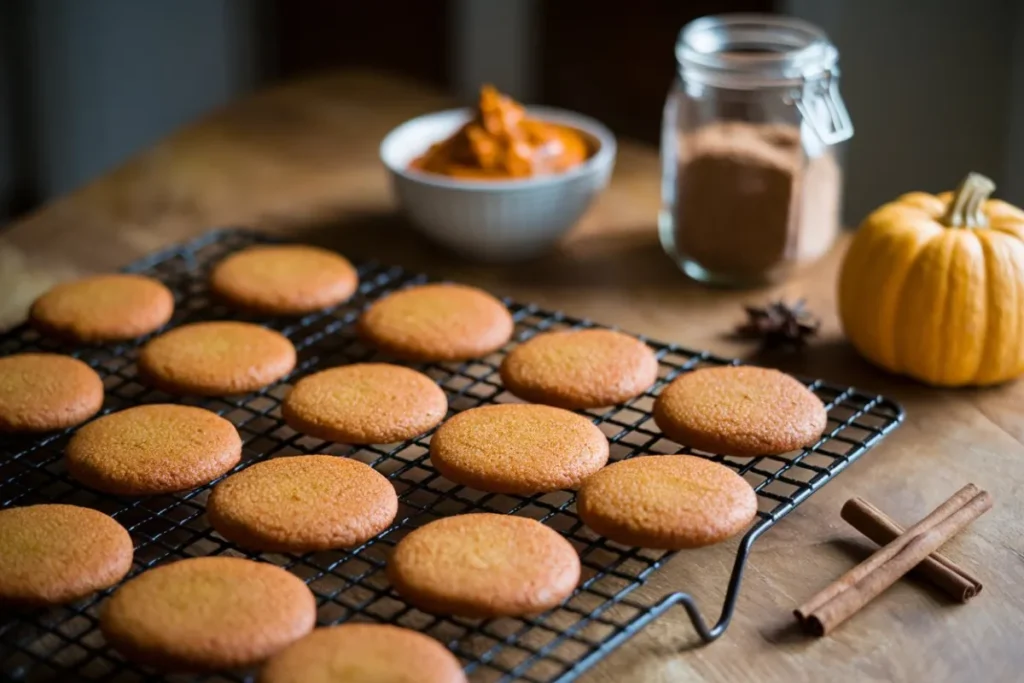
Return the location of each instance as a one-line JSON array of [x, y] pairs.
[[750, 203]]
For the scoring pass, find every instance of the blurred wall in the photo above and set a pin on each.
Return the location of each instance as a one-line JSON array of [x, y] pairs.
[[107, 78], [409, 38], [935, 89], [1014, 182], [497, 43], [11, 157]]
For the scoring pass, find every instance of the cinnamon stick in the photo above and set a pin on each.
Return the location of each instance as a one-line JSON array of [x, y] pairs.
[[852, 591], [957, 501], [937, 569]]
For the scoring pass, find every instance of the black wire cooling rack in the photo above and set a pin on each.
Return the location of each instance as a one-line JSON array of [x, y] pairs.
[[64, 644]]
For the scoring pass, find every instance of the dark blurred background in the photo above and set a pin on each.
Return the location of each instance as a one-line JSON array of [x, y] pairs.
[[935, 87]]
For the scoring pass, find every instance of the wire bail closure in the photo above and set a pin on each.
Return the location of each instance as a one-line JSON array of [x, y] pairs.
[[831, 123]]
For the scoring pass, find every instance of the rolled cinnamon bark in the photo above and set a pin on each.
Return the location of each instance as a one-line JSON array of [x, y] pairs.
[[852, 591], [937, 569]]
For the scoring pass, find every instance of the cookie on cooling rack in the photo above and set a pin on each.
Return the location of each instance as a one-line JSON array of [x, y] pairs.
[[40, 392], [55, 554], [207, 613], [364, 652], [216, 359], [518, 448], [103, 308], [437, 322], [580, 368], [744, 411], [150, 449], [302, 503], [288, 279], [365, 403], [484, 565], [669, 502]]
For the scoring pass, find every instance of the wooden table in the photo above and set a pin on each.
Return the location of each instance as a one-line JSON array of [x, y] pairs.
[[302, 160]]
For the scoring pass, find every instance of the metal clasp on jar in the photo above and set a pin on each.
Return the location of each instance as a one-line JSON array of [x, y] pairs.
[[831, 123]]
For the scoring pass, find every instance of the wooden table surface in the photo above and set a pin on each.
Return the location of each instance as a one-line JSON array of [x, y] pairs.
[[302, 161]]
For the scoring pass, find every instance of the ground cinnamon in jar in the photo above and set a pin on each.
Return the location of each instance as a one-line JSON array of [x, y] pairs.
[[750, 203]]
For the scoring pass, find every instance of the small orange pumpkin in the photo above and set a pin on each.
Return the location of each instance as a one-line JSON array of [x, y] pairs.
[[933, 287]]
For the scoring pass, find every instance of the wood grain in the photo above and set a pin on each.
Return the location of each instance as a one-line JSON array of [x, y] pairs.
[[302, 161]]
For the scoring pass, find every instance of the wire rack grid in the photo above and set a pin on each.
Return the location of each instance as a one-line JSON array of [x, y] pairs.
[[64, 643]]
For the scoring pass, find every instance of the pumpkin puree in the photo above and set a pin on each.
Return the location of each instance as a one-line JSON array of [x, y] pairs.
[[501, 143]]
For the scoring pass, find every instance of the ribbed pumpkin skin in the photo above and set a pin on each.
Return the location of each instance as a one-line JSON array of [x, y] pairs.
[[942, 305]]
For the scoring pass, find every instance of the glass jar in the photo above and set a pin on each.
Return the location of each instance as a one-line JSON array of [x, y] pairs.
[[751, 181]]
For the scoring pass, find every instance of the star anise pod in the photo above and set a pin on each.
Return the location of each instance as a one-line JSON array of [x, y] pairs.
[[779, 324]]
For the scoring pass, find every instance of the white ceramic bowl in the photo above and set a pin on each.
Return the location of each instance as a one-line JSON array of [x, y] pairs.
[[500, 219]]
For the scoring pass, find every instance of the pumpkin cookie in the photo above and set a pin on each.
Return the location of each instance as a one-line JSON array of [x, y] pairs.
[[153, 449], [365, 403], [361, 653], [580, 368], [439, 322], [103, 308], [53, 554], [216, 359], [302, 503], [744, 411], [284, 279], [208, 613], [518, 448], [669, 502], [484, 565], [44, 391]]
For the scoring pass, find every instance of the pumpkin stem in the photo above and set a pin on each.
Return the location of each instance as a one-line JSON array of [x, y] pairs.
[[966, 209]]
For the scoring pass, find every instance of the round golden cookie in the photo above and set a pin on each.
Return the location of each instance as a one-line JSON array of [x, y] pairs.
[[302, 503], [53, 554], [745, 411], [216, 359], [364, 653], [484, 565], [151, 449], [437, 322], [580, 368], [44, 391], [208, 613], [518, 448], [103, 308], [669, 502], [365, 403], [284, 279]]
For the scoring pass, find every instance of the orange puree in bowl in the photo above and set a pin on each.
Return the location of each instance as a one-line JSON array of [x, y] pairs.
[[501, 143]]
